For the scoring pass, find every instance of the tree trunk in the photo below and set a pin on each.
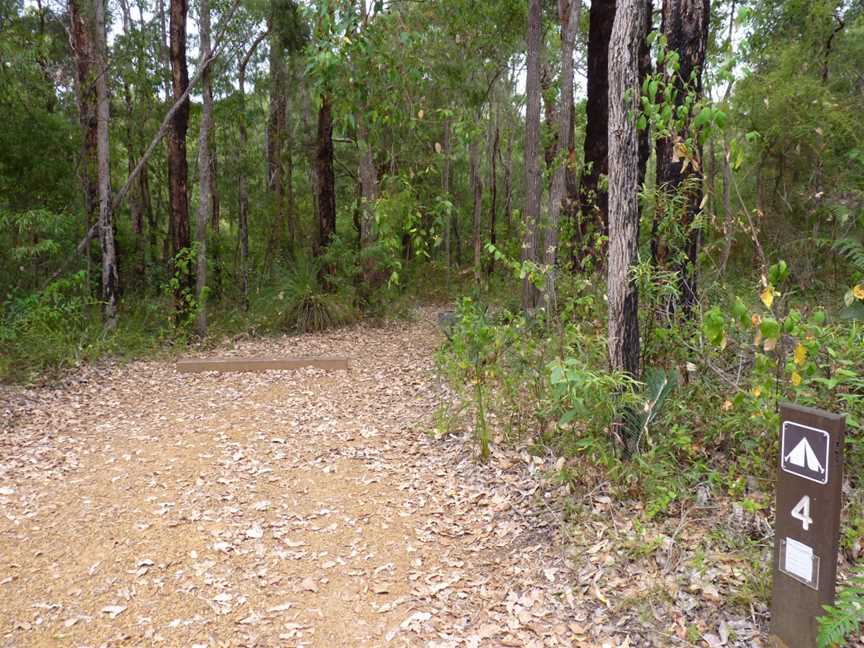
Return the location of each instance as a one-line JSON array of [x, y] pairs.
[[215, 245], [508, 182], [623, 325], [85, 94], [136, 199], [368, 195], [493, 190], [550, 118], [445, 189], [477, 191], [205, 178], [685, 26], [276, 123], [324, 176], [593, 199], [569, 14], [110, 283], [243, 181], [177, 165], [533, 185]]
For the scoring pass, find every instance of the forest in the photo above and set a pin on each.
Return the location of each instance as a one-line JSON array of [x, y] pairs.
[[636, 225]]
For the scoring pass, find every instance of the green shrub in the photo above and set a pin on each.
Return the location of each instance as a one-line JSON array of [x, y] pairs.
[[309, 306]]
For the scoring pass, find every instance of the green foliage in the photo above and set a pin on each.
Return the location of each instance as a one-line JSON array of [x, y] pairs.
[[845, 619], [308, 307]]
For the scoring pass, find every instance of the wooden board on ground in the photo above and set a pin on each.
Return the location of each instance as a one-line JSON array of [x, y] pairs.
[[259, 364]]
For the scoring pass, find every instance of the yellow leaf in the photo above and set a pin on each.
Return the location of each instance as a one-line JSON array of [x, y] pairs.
[[858, 291], [800, 354], [767, 296], [796, 378], [757, 392]]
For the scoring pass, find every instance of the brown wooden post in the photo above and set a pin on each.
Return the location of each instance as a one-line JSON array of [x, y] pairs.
[[807, 529]]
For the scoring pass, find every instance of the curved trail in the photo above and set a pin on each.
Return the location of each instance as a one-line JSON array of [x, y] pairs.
[[140, 507]]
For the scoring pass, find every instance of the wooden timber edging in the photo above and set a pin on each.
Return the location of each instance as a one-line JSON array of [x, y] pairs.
[[258, 364]]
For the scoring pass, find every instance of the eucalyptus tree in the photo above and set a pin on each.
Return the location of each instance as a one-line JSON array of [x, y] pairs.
[[624, 104], [205, 170], [110, 280], [178, 168], [569, 17], [533, 184], [81, 41]]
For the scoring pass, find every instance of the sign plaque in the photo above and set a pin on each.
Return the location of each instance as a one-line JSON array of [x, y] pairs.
[[807, 531]]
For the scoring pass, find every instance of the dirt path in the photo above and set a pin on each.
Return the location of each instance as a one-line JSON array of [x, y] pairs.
[[143, 507]]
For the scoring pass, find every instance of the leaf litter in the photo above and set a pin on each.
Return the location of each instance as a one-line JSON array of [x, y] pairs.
[[307, 508]]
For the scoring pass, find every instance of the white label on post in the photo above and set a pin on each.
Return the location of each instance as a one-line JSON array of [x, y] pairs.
[[801, 512], [799, 560]]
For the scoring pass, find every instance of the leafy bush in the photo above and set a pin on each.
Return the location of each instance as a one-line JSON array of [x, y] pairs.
[[46, 329], [308, 305]]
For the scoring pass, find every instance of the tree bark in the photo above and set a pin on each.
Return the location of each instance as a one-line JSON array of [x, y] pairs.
[[445, 188], [205, 178], [368, 195], [593, 199], [550, 118], [623, 324], [110, 282], [85, 94], [324, 176], [177, 165], [494, 135], [533, 185], [276, 126], [569, 15], [508, 182], [685, 25], [243, 180], [477, 192]]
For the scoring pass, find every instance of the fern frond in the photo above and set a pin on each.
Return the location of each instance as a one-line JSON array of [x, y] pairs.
[[852, 251], [846, 617]]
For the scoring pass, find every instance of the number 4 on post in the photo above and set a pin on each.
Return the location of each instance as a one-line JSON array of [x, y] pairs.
[[801, 511]]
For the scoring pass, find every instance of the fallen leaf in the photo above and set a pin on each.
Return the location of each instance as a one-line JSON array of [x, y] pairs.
[[113, 610]]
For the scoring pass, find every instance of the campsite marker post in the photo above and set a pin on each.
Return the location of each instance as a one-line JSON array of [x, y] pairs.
[[807, 529]]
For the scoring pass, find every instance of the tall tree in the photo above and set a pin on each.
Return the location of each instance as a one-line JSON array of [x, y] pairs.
[[178, 168], [325, 179], [623, 324], [593, 198], [243, 179], [110, 282], [685, 26], [494, 139], [569, 15], [367, 173], [85, 93], [205, 171], [530, 239], [477, 197], [276, 128]]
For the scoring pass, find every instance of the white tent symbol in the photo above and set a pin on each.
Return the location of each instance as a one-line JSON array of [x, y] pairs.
[[802, 455]]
